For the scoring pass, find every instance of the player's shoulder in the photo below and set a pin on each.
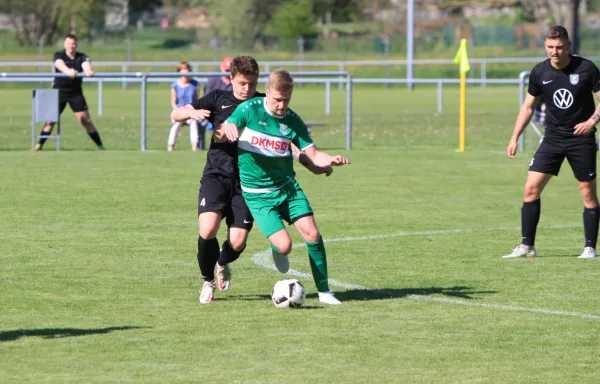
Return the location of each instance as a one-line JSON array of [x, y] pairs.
[[290, 114], [541, 67], [254, 103], [583, 63], [62, 53], [82, 55]]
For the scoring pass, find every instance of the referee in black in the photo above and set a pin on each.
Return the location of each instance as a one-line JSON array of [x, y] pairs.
[[566, 84], [71, 62]]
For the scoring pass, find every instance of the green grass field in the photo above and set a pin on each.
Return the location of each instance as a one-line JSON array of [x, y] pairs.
[[100, 281]]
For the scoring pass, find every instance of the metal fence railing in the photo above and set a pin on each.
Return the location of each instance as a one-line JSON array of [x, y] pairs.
[[345, 79]]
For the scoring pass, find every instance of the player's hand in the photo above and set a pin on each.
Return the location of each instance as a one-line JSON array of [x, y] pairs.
[[72, 73], [339, 160], [89, 73], [327, 171], [511, 150], [584, 128], [199, 114], [229, 132]]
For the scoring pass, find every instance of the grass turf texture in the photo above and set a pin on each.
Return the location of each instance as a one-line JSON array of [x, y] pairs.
[[100, 281]]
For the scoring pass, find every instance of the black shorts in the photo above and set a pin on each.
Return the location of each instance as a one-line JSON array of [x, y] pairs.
[[223, 194], [581, 155], [75, 100]]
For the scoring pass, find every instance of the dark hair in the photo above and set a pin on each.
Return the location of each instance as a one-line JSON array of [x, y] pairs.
[[71, 36], [557, 32], [184, 64], [245, 65]]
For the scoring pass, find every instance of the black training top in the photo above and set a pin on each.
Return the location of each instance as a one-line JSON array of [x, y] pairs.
[[222, 157], [67, 83], [568, 94]]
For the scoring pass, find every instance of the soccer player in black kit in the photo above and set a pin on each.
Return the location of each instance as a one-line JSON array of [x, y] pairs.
[[71, 62], [566, 84], [220, 193]]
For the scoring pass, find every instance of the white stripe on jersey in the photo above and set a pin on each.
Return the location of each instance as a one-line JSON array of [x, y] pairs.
[[263, 144]]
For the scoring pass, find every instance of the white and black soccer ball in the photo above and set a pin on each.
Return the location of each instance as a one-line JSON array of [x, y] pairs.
[[288, 292]]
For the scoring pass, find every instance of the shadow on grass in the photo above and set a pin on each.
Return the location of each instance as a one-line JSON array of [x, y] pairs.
[[461, 292], [56, 333]]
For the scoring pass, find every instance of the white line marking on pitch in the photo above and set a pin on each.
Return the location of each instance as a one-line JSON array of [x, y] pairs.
[[263, 259]]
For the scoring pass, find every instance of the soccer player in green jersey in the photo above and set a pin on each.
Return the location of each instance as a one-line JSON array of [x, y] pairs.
[[266, 130]]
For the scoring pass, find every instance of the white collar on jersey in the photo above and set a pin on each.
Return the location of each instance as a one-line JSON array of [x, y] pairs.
[[269, 112]]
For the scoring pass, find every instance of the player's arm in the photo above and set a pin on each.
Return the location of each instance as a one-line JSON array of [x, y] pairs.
[[587, 126], [525, 113], [174, 100], [61, 66], [226, 132], [200, 109], [303, 159], [322, 159], [87, 67]]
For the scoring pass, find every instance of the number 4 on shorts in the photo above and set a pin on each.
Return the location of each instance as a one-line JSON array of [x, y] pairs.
[[203, 202]]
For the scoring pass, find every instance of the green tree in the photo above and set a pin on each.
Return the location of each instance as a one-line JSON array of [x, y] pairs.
[[293, 20], [243, 21]]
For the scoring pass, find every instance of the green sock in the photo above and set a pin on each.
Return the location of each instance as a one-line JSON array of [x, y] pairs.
[[318, 264]]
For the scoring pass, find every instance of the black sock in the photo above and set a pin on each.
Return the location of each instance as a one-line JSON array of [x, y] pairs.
[[208, 253], [530, 216], [228, 254], [43, 138], [590, 225], [96, 137]]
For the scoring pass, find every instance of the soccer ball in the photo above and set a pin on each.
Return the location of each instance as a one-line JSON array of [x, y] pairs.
[[288, 292]]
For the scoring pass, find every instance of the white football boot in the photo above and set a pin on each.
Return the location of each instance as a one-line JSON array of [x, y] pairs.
[[328, 298], [588, 253], [223, 277], [521, 251], [207, 294]]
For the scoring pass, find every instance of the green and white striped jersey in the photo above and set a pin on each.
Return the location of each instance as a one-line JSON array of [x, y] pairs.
[[264, 148]]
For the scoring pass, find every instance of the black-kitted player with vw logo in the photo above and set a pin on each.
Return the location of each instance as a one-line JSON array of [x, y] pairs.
[[566, 84]]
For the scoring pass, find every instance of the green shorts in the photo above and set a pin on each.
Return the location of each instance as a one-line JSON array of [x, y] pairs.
[[268, 209]]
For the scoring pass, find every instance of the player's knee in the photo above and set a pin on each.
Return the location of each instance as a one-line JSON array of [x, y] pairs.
[[208, 232], [532, 192], [284, 248], [238, 244]]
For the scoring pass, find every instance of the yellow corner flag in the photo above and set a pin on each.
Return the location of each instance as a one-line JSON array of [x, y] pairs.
[[462, 59]]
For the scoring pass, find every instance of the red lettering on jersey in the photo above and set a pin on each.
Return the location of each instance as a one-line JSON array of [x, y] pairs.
[[266, 143]]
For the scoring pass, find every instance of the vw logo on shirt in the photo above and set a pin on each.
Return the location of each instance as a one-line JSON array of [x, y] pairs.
[[563, 98]]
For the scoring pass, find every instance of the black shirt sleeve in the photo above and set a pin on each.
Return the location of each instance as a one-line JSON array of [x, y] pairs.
[[534, 87], [595, 78], [57, 56], [206, 102]]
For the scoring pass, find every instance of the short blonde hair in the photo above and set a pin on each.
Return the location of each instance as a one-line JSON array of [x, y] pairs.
[[281, 80]]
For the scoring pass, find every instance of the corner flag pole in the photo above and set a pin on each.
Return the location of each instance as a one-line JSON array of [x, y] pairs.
[[462, 60]]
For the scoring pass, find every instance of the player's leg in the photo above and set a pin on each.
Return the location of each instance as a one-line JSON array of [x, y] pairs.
[[193, 133], [545, 164], [173, 132], [208, 253], [264, 209], [47, 129], [80, 108], [582, 159], [239, 221], [299, 212], [212, 199]]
